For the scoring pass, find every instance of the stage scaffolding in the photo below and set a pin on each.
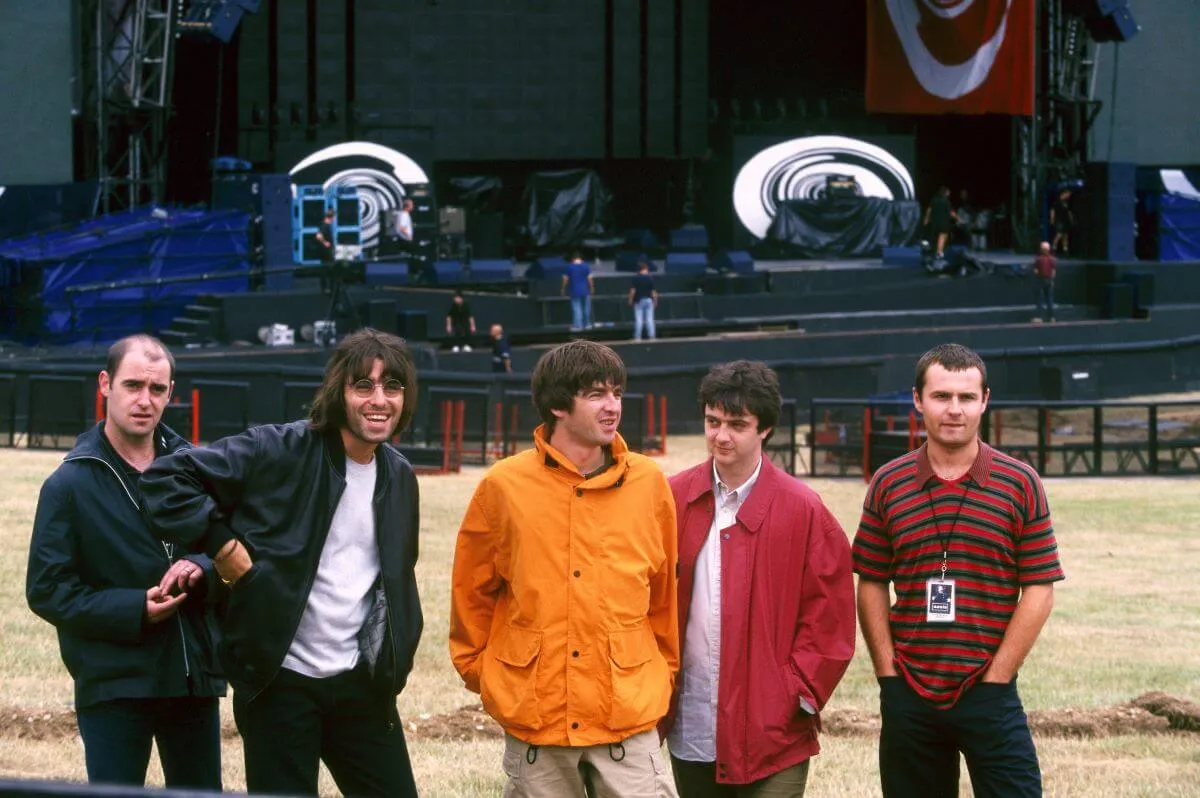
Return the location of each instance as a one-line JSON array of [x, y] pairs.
[[125, 97], [1051, 146]]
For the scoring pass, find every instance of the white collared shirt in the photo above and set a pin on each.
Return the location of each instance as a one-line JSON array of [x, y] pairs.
[[694, 735]]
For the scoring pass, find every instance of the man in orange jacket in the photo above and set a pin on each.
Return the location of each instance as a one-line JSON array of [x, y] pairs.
[[563, 607]]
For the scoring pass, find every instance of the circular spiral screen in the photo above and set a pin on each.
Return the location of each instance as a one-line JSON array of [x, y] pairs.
[[378, 172], [797, 169]]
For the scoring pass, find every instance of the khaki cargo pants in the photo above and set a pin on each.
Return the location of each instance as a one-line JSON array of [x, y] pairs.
[[633, 768]]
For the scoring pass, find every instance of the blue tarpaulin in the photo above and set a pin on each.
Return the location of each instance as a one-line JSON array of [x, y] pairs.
[[138, 256], [1178, 228]]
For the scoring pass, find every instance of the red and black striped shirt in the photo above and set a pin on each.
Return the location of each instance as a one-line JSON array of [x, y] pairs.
[[997, 524]]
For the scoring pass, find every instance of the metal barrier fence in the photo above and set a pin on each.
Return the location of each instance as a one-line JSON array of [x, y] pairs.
[[1101, 438]]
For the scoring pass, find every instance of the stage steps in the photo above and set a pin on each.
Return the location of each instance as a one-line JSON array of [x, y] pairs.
[[199, 324]]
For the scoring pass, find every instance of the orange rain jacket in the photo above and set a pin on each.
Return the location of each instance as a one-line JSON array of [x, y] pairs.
[[563, 611]]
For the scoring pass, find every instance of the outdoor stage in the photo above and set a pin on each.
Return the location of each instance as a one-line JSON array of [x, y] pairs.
[[832, 329]]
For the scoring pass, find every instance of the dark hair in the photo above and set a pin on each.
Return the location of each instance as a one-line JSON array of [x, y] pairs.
[[152, 347], [744, 387], [569, 368], [951, 357], [353, 360]]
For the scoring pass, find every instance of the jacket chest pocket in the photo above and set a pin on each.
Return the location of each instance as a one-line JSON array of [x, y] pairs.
[[508, 683]]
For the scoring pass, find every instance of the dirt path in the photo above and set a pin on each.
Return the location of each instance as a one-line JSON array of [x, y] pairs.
[[1150, 713]]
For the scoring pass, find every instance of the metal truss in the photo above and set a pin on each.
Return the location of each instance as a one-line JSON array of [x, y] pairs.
[[128, 48], [1051, 146]]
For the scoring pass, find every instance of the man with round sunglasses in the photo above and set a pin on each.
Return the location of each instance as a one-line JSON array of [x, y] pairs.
[[313, 527]]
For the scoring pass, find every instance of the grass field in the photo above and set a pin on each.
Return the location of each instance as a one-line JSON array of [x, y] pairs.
[[1126, 621]]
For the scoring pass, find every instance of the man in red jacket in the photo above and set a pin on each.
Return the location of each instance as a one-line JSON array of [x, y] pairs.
[[1044, 269], [758, 551]]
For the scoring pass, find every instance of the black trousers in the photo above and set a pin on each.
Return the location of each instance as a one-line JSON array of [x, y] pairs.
[[919, 745], [117, 736], [298, 721]]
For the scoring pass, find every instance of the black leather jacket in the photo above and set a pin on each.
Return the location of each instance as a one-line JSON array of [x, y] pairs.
[[275, 488], [91, 560]]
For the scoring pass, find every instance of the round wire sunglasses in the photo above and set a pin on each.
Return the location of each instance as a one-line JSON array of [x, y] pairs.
[[366, 388]]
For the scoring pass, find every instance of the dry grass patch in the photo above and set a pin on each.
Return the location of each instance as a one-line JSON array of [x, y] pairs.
[[1127, 621]]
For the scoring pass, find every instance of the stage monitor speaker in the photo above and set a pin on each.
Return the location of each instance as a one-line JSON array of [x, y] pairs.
[[627, 261], [1118, 301], [1096, 277], [642, 239], [275, 196], [688, 263], [495, 270], [485, 234], [387, 273], [1069, 383], [452, 220], [1143, 289], [448, 272], [1105, 212], [414, 325], [547, 267], [737, 260], [381, 314], [689, 238], [239, 191]]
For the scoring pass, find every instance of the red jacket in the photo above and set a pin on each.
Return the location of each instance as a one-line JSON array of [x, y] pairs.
[[1045, 266], [786, 561]]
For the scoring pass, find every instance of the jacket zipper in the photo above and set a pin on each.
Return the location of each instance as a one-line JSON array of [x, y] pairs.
[[167, 550]]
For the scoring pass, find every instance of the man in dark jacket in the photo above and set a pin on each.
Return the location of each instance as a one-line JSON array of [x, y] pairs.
[[758, 550], [133, 626], [313, 525]]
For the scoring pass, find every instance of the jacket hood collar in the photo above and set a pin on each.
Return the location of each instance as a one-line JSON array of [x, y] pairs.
[[620, 455], [754, 511], [166, 440]]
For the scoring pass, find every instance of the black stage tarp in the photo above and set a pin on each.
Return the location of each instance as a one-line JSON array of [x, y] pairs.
[[846, 227], [563, 208]]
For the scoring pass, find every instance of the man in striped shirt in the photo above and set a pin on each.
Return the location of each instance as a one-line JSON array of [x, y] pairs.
[[963, 533]]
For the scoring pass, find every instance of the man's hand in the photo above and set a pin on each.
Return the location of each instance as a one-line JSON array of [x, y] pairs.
[[160, 606], [182, 575], [232, 562]]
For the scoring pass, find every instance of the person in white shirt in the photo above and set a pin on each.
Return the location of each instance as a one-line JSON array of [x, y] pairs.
[[404, 222]]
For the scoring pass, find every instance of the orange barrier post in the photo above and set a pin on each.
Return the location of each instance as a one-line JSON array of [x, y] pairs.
[[195, 416], [866, 452], [912, 430], [514, 427], [447, 420], [460, 406], [650, 416], [662, 421], [99, 405], [498, 433]]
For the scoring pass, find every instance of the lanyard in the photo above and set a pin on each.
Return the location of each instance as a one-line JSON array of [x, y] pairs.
[[944, 540]]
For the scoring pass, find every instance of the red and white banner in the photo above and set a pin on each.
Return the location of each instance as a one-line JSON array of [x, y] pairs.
[[950, 56]]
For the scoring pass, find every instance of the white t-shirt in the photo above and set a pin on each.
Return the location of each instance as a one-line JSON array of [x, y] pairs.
[[326, 642], [404, 225]]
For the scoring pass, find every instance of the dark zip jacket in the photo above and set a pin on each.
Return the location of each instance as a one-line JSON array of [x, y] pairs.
[[91, 560], [275, 488]]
